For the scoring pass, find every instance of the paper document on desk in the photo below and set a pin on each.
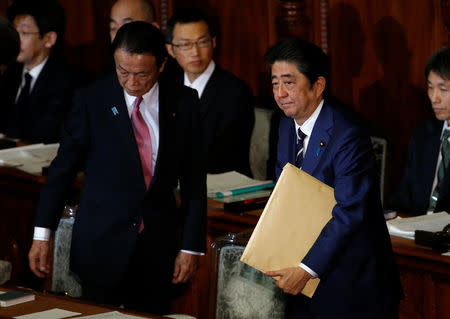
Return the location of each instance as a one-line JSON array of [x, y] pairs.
[[228, 182], [110, 315], [55, 313], [298, 209], [31, 158], [405, 227]]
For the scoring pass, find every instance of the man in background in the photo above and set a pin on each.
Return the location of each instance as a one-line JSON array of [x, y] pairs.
[[425, 187], [135, 138], [226, 102], [125, 11], [40, 86], [352, 255]]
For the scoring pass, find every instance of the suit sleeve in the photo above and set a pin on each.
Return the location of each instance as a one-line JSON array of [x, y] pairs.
[[63, 169], [354, 182], [193, 184]]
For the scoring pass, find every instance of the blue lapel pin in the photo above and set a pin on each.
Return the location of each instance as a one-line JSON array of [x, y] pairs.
[[319, 149], [114, 110]]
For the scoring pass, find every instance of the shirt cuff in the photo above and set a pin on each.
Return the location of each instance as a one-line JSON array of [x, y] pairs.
[[308, 270], [41, 233], [192, 252]]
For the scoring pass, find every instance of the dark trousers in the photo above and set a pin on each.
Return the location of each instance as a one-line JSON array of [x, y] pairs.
[[298, 307], [145, 287]]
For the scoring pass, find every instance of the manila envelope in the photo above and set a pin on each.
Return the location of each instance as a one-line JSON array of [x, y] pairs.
[[297, 211]]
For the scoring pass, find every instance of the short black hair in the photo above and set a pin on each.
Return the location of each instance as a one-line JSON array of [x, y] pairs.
[[48, 14], [310, 60], [439, 63], [9, 42], [188, 15], [139, 37]]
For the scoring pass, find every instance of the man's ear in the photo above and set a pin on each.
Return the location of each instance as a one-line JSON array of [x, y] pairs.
[[161, 68], [169, 48], [214, 42], [156, 24], [319, 85], [50, 39]]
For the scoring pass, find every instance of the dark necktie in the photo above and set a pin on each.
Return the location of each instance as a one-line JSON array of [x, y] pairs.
[[445, 152], [299, 148], [144, 143], [20, 108]]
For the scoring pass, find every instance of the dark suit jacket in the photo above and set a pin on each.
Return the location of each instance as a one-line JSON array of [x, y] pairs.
[[352, 255], [114, 199], [49, 102], [227, 111], [413, 194]]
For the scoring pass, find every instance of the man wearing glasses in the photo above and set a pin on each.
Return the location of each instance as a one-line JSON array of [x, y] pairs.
[[40, 86], [226, 102]]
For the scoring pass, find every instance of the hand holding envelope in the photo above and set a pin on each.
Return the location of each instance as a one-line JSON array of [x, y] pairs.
[[297, 211]]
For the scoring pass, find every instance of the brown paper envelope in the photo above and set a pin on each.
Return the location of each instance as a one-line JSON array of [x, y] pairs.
[[298, 209]]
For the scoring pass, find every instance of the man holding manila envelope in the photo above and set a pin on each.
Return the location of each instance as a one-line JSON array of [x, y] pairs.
[[352, 255]]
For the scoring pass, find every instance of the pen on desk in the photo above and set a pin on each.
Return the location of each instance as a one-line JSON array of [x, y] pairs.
[[244, 190]]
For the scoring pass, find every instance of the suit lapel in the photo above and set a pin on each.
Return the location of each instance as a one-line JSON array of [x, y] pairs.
[[319, 139], [431, 150], [209, 93]]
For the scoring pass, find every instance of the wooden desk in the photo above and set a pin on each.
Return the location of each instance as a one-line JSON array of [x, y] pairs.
[[45, 301], [425, 277]]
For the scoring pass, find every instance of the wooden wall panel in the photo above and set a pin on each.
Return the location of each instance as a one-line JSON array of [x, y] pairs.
[[378, 51]]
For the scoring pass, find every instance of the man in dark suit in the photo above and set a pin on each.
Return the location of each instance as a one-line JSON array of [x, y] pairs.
[[352, 255], [124, 243], [226, 102], [425, 186], [38, 89]]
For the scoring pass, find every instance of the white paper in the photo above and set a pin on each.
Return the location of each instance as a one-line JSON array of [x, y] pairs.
[[110, 315], [29, 158], [405, 227], [229, 181], [55, 313]]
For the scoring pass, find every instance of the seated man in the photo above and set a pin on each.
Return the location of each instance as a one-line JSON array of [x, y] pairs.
[[227, 108], [425, 187], [39, 88]]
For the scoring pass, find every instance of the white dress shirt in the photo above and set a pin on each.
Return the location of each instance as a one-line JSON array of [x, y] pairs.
[[34, 73], [307, 128], [435, 181], [200, 82]]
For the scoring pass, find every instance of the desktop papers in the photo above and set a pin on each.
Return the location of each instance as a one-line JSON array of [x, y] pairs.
[[298, 209], [110, 315], [31, 158], [405, 227], [49, 314], [229, 181]]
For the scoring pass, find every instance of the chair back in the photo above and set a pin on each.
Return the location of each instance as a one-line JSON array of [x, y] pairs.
[[241, 292]]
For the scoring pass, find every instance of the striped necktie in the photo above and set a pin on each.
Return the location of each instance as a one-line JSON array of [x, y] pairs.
[[442, 170], [299, 148]]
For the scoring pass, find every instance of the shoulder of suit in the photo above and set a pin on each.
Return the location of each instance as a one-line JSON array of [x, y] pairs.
[[220, 75]]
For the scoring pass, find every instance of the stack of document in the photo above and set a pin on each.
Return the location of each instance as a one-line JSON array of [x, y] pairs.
[[234, 183], [405, 227], [31, 158]]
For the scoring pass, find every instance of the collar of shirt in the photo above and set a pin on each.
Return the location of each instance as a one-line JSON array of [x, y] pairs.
[[308, 126], [34, 72], [445, 127], [200, 82], [149, 100]]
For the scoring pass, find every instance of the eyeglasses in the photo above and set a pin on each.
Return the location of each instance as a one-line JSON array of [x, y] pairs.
[[202, 43], [26, 33]]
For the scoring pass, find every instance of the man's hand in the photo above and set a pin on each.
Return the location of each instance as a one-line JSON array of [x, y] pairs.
[[39, 258], [185, 267], [292, 280]]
